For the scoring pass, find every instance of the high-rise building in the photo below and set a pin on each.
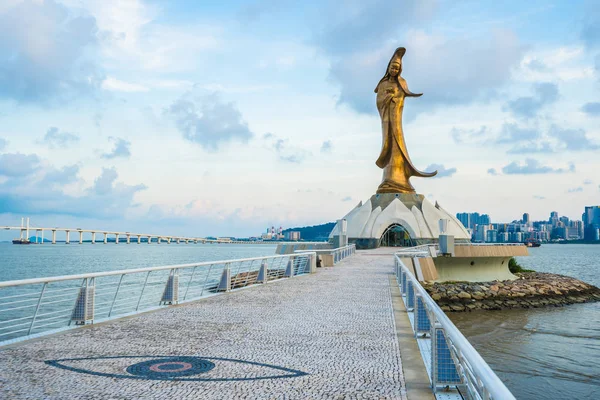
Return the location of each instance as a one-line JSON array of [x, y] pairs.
[[465, 219], [292, 235], [526, 219], [471, 220], [578, 227], [481, 233], [591, 223], [553, 220]]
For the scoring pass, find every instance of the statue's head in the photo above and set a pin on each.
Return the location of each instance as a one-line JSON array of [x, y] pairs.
[[394, 68], [395, 65]]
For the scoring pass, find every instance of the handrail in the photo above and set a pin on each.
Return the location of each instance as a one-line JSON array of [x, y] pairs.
[[349, 246], [33, 281], [338, 253], [489, 244], [463, 352]]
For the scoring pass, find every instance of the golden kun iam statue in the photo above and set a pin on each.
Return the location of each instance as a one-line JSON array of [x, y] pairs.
[[397, 166]]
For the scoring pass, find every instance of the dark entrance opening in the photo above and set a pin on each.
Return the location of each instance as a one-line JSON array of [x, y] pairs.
[[396, 236]]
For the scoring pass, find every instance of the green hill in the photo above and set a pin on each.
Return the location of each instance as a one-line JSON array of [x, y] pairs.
[[315, 233]]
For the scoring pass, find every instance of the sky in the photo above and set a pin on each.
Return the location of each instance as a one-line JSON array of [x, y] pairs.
[[224, 118]]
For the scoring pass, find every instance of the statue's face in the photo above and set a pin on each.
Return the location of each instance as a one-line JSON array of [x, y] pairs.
[[394, 68]]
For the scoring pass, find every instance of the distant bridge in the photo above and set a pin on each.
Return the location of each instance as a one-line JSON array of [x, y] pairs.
[[119, 236]]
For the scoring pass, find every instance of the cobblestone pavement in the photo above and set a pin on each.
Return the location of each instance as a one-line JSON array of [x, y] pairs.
[[325, 336]]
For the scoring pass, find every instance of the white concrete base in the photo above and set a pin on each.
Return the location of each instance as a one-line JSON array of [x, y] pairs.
[[367, 222], [476, 269]]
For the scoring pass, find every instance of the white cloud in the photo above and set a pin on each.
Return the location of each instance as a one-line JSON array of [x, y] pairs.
[[564, 64], [133, 39], [114, 84], [209, 121], [49, 53]]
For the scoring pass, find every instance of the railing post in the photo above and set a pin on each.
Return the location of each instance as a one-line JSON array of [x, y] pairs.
[[171, 293], [37, 308], [263, 273], [289, 270], [84, 307], [225, 282], [443, 369], [410, 296], [403, 281]]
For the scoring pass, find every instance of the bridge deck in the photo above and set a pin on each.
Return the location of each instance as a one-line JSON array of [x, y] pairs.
[[327, 335]]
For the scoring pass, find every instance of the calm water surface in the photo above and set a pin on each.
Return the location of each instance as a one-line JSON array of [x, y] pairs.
[[545, 353], [36, 261]]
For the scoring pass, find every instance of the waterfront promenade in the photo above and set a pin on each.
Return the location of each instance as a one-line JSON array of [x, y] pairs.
[[322, 336]]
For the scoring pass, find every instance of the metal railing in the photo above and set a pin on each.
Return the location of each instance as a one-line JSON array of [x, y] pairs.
[[342, 252], [450, 359], [488, 244], [32, 307], [338, 254], [423, 250]]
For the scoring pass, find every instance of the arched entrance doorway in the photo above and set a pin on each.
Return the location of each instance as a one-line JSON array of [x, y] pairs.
[[395, 236]]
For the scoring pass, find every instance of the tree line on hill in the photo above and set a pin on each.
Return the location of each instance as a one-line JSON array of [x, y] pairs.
[[316, 233]]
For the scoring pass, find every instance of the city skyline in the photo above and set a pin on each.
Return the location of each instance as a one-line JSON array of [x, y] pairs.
[[220, 119], [556, 227]]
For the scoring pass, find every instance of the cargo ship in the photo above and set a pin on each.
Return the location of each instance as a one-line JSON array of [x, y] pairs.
[[21, 241], [532, 243]]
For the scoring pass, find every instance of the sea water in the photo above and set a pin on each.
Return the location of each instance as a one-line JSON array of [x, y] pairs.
[[43, 260]]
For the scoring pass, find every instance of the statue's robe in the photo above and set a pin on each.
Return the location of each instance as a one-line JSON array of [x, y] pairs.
[[394, 159]]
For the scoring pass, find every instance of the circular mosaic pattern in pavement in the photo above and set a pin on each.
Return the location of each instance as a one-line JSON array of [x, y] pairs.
[[170, 367]]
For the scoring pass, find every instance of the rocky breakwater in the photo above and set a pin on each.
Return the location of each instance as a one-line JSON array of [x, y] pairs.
[[531, 290]]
